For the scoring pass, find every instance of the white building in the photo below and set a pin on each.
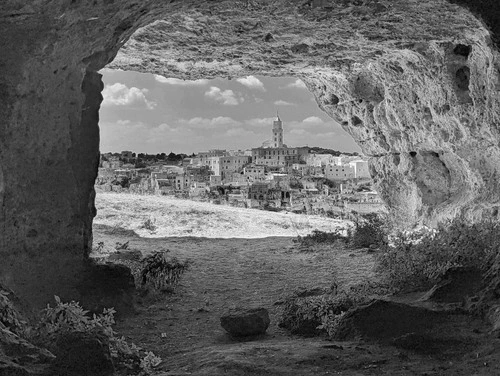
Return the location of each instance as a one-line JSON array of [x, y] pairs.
[[360, 168], [339, 172], [321, 160]]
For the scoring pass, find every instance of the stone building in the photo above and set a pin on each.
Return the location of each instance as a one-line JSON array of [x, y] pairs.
[[277, 140], [360, 169], [278, 155], [339, 172], [229, 165]]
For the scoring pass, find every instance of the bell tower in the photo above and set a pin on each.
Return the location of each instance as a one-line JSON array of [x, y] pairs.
[[277, 140]]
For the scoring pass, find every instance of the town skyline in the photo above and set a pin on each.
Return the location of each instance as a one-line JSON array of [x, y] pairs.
[[152, 114]]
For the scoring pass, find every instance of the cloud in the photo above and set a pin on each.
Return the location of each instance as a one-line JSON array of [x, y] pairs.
[[298, 84], [226, 97], [178, 82], [283, 103], [252, 82], [313, 120], [119, 94], [205, 123], [261, 122], [239, 132]]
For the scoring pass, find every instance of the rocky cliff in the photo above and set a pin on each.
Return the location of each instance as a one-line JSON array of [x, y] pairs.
[[416, 83]]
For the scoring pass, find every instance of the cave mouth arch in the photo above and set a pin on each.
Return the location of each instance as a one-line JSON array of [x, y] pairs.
[[51, 93], [143, 114]]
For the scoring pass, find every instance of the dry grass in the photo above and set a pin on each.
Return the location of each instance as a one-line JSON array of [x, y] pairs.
[[161, 216]]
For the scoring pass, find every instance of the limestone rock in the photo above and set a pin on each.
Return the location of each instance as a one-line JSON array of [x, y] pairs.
[[107, 285], [456, 285], [19, 357], [385, 320], [82, 354], [246, 322], [419, 95]]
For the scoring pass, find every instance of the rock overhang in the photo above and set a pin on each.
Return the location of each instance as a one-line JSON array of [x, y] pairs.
[[416, 83]]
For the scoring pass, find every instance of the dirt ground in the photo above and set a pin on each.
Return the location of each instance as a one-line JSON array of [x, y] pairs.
[[184, 328]]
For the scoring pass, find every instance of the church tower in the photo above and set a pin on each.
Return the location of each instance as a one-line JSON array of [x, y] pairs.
[[277, 140]]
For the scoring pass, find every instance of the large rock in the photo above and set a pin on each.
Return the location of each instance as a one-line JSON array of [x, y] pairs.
[[82, 354], [456, 285], [386, 320], [18, 357], [418, 94], [246, 322]]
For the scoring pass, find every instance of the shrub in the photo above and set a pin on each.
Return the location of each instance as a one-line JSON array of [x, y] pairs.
[[410, 263], [320, 313], [321, 237], [369, 230], [160, 272], [71, 317], [149, 224]]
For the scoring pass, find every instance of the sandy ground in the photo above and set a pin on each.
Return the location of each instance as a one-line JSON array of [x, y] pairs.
[[176, 217], [248, 271]]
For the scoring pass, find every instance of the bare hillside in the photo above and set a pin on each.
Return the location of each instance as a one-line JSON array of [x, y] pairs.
[[162, 216]]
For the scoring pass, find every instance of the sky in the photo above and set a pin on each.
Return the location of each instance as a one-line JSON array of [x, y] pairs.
[[147, 113]]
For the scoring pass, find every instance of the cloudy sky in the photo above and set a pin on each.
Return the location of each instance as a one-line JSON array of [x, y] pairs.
[[153, 114]]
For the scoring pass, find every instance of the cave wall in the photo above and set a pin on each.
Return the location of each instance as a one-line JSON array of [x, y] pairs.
[[415, 83]]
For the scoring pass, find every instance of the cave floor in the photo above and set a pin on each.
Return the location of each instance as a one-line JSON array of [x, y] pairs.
[[184, 329]]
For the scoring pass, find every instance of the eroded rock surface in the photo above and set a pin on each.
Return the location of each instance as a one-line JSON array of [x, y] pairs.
[[415, 82]]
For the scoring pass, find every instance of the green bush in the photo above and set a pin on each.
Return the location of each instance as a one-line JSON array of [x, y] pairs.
[[161, 273], [370, 230], [71, 317], [416, 262], [320, 313], [321, 237]]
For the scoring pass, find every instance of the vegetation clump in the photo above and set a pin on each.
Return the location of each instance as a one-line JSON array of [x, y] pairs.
[[322, 237], [315, 314], [66, 318], [416, 261], [160, 272], [369, 231]]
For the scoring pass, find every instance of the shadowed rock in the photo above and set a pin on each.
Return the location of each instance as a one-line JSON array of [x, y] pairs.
[[82, 354], [246, 322]]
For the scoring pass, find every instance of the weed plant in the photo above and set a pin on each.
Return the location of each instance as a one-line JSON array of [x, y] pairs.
[[149, 224], [71, 317], [161, 273]]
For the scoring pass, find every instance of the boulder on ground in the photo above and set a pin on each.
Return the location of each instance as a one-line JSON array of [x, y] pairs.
[[82, 354], [456, 285], [384, 320], [246, 322]]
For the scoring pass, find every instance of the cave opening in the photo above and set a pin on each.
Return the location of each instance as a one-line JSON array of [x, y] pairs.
[[209, 140]]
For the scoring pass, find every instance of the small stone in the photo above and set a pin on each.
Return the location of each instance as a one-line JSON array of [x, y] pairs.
[[246, 322]]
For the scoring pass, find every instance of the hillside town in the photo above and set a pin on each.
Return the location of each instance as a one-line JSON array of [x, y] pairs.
[[272, 177]]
